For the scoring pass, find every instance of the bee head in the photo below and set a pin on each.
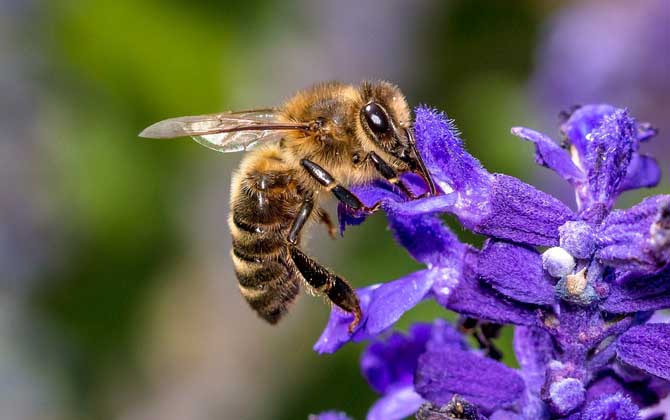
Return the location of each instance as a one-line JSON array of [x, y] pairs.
[[385, 119]]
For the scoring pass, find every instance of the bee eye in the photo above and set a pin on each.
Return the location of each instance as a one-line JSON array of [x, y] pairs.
[[376, 118]]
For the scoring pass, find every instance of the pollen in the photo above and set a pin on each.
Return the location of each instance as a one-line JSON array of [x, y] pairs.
[[575, 284]]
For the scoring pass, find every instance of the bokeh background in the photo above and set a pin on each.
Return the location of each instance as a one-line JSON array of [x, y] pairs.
[[117, 298]]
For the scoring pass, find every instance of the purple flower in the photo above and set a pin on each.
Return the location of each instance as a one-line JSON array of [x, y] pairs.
[[580, 307], [607, 51], [329, 415]]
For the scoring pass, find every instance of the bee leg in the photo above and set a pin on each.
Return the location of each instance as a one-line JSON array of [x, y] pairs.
[[318, 277], [390, 174], [300, 220], [339, 191], [336, 288], [324, 217]]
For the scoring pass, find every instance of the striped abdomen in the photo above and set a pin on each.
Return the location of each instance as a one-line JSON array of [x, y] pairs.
[[264, 204]]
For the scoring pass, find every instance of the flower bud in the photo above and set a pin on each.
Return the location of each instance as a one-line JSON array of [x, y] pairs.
[[558, 262]]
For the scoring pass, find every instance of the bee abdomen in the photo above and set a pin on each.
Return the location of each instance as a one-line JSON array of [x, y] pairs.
[[266, 283], [264, 201]]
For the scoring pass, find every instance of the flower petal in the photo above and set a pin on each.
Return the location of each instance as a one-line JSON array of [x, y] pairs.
[[369, 194], [643, 172], [392, 299], [506, 415], [390, 364], [396, 405], [551, 155], [617, 406], [393, 202], [329, 415], [518, 212], [452, 168], [647, 347], [427, 239], [582, 122], [476, 299], [516, 272], [637, 239], [647, 293], [482, 381], [336, 334], [534, 349], [644, 393], [609, 151]]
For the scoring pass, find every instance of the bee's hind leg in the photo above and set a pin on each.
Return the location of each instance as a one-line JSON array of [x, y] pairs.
[[323, 281], [318, 277]]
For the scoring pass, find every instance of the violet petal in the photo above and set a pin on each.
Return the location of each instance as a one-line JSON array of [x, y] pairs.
[[647, 293], [474, 298], [647, 347], [637, 239], [642, 393], [505, 415], [609, 149], [534, 349], [551, 155], [391, 300], [427, 239], [521, 213], [336, 334], [391, 363], [329, 415], [452, 168], [516, 272], [617, 406], [396, 405], [582, 122], [488, 384], [643, 172]]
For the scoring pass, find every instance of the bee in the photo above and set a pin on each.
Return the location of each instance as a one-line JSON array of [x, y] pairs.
[[317, 143]]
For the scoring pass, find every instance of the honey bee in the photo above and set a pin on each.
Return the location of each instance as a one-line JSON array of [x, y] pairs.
[[317, 143]]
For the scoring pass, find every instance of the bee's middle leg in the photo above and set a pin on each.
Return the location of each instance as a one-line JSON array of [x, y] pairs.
[[318, 277], [324, 218]]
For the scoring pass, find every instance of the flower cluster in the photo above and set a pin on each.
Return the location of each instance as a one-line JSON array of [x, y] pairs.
[[581, 287]]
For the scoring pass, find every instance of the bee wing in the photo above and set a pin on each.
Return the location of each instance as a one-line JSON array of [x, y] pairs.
[[228, 131]]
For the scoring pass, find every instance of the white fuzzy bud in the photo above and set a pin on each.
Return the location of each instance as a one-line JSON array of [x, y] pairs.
[[558, 262]]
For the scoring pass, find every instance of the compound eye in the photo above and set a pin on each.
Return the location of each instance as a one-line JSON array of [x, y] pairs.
[[376, 118]]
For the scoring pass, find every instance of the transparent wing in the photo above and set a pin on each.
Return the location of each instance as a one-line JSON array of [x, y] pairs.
[[228, 131]]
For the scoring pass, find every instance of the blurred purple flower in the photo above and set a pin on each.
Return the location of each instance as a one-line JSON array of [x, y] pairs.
[[606, 50], [329, 415], [580, 307]]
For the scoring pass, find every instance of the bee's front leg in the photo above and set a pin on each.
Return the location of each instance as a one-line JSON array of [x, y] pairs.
[[338, 190], [390, 174]]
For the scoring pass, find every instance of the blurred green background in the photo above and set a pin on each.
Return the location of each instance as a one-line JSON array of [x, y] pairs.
[[117, 299]]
